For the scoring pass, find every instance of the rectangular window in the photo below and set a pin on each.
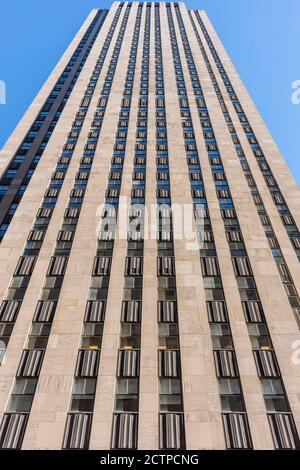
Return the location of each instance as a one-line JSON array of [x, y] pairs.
[[167, 312], [288, 220], [87, 363], [57, 266], [101, 266], [95, 311], [283, 431], [12, 430], [165, 266], [253, 312], [228, 213], [241, 266], [210, 267], [30, 363], [266, 364], [77, 431], [9, 310], [131, 311], [168, 363], [133, 266], [65, 236], [44, 212], [128, 363], [217, 312], [237, 432], [36, 235], [44, 311], [82, 176], [226, 365], [171, 431], [25, 266], [124, 433], [72, 213]]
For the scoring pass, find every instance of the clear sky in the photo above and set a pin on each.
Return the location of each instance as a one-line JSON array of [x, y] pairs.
[[261, 36]]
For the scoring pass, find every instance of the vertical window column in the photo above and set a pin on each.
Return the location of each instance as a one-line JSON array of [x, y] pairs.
[[126, 406], [171, 416]]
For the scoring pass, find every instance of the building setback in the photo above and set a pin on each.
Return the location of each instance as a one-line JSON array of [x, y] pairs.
[[129, 343]]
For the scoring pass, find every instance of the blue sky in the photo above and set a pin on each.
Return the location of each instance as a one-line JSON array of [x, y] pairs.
[[261, 36]]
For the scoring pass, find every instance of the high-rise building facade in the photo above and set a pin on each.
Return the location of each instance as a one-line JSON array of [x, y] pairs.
[[135, 341]]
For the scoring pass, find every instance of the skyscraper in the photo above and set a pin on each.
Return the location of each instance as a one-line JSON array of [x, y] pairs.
[[135, 341]]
